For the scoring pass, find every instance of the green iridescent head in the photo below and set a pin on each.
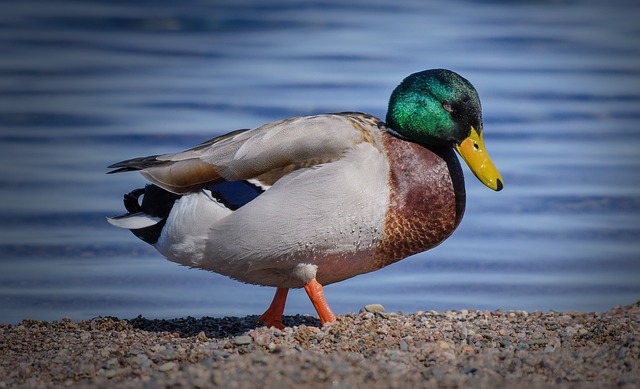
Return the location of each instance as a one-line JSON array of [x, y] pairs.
[[440, 108], [436, 107]]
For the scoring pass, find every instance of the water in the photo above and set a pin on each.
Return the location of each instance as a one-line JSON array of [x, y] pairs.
[[84, 84]]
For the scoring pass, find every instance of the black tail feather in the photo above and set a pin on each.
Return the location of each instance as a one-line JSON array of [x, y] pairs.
[[136, 164], [156, 202]]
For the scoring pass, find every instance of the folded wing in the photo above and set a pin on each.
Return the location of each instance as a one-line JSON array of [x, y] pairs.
[[263, 154]]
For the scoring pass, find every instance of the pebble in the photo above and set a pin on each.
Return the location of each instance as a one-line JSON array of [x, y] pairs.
[[143, 361], [537, 342], [167, 366], [373, 308], [242, 340], [110, 373]]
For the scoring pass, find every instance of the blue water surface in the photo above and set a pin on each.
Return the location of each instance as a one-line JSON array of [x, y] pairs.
[[84, 84]]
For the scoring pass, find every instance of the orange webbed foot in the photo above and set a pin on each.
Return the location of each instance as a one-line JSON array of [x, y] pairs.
[[316, 295], [273, 315]]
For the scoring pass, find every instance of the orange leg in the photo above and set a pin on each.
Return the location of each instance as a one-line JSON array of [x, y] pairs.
[[314, 290], [273, 316]]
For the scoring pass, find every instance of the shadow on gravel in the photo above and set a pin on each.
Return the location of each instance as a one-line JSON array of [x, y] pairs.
[[214, 327]]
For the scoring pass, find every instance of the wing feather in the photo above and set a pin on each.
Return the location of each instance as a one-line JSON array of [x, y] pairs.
[[267, 152]]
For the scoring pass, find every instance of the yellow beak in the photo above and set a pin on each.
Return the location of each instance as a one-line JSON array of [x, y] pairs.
[[474, 154]]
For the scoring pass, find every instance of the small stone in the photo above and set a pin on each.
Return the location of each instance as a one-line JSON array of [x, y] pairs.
[[158, 348], [571, 331], [444, 345], [367, 315], [448, 356], [315, 330], [242, 340], [504, 343], [143, 360], [382, 315], [167, 366], [259, 358], [382, 330], [622, 352], [468, 349], [112, 362], [563, 319], [264, 338], [538, 342], [220, 353], [110, 373], [373, 308]]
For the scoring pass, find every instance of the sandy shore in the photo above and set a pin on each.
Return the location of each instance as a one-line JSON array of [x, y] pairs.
[[479, 349]]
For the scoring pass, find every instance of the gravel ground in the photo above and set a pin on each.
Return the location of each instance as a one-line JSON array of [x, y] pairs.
[[372, 349]]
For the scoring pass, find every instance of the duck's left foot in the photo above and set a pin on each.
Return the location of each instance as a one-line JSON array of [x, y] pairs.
[[273, 316], [316, 294]]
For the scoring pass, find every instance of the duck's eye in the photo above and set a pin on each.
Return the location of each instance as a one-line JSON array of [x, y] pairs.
[[447, 107]]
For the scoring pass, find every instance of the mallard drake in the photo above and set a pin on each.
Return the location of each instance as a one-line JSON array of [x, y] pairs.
[[309, 201]]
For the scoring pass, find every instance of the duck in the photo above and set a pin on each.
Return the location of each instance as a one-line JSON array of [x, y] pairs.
[[309, 201]]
